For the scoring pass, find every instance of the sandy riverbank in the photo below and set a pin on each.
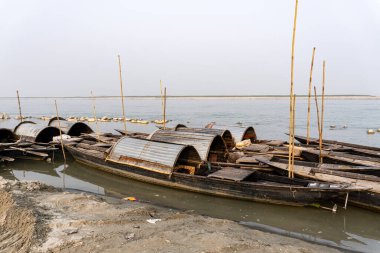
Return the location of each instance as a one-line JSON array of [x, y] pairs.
[[38, 218]]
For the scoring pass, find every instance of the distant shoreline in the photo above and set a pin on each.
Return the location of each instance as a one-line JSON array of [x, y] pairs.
[[242, 97]]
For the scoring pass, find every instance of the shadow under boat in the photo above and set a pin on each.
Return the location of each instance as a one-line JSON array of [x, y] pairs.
[[44, 168]]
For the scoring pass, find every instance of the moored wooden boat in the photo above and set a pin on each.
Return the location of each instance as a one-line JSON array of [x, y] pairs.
[[302, 139], [180, 167], [12, 146], [330, 166], [340, 158], [369, 197]]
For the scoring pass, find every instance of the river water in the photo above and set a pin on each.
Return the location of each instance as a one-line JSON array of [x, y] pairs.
[[353, 229]]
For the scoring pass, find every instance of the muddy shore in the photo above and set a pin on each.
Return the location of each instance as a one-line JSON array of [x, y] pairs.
[[38, 218]]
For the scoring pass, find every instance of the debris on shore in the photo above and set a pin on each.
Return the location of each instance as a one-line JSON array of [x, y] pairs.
[[40, 218]]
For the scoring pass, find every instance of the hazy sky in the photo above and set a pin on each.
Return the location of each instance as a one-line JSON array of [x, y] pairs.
[[197, 47]]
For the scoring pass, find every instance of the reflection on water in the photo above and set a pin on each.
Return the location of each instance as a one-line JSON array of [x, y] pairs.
[[354, 229]]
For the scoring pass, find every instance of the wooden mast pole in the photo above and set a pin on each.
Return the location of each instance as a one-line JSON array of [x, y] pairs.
[[19, 105], [165, 108], [162, 100], [293, 130], [319, 125], [122, 95], [60, 133], [323, 111], [94, 112], [309, 98], [291, 135]]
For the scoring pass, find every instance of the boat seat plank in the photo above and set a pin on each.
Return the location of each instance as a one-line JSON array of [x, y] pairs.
[[252, 159], [231, 174]]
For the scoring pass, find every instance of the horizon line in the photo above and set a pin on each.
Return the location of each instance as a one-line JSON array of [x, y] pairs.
[[189, 96]]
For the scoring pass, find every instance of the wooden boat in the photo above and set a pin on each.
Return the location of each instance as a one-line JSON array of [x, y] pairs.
[[25, 150], [330, 166], [12, 147], [341, 158], [179, 166], [369, 197], [302, 139]]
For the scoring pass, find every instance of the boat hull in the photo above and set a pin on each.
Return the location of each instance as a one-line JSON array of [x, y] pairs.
[[252, 191], [367, 200]]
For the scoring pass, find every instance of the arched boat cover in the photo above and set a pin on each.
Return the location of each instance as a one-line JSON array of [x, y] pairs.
[[152, 155], [225, 133], [30, 131], [241, 133], [179, 126], [70, 128], [211, 147], [7, 136]]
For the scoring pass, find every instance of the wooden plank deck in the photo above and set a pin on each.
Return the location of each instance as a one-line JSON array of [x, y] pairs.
[[231, 174]]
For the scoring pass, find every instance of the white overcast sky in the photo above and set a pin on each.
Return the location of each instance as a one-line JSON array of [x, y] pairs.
[[197, 47]]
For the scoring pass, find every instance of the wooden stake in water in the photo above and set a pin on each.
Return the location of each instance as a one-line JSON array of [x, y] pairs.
[[19, 105], [293, 130], [291, 134], [122, 95], [161, 95], [309, 98], [60, 134], [94, 112], [165, 108], [319, 125], [162, 98], [292, 145], [323, 111]]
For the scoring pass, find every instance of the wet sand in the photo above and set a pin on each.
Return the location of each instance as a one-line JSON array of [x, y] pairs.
[[38, 218]]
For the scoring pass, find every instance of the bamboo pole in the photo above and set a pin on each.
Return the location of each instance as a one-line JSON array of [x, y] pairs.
[[165, 108], [60, 134], [162, 99], [309, 98], [291, 135], [122, 95], [293, 130], [291, 141], [19, 105], [319, 125], [162, 96], [323, 111], [94, 112]]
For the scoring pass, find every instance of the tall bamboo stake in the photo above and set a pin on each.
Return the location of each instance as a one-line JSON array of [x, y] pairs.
[[19, 105], [291, 142], [323, 111], [319, 125], [162, 98], [60, 133], [293, 130], [122, 94], [291, 135], [165, 108], [94, 112], [309, 98]]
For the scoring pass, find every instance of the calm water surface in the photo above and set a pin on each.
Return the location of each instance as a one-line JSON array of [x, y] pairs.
[[353, 229], [268, 116]]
